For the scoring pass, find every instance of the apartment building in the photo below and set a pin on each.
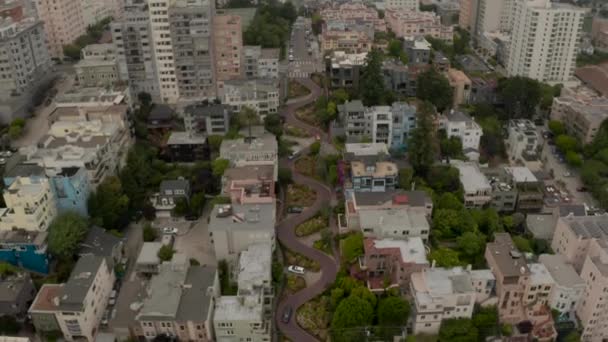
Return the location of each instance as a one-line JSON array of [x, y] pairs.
[[355, 12], [170, 192], [400, 78], [591, 309], [461, 86], [163, 53], [345, 40], [573, 236], [568, 288], [25, 249], [344, 69], [529, 189], [30, 205], [409, 24], [411, 5], [441, 293], [98, 66], [70, 186], [399, 223], [235, 227], [228, 41], [98, 146], [467, 17], [260, 94], [523, 291], [25, 67], [477, 188], [63, 23], [206, 119], [491, 16], [248, 315], [523, 141], [418, 50], [95, 11], [358, 203], [581, 110], [599, 33], [179, 302], [249, 184], [259, 62], [372, 175], [404, 121], [191, 30], [544, 40], [392, 260], [262, 149], [460, 125], [17, 291], [76, 307], [504, 193], [132, 39]]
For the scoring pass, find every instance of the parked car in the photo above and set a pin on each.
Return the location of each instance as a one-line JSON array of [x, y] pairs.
[[169, 230], [293, 155], [191, 217], [582, 189], [295, 210], [296, 269], [287, 314]]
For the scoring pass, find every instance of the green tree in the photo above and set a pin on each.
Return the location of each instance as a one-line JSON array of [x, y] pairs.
[[248, 117], [448, 200], [523, 244], [393, 311], [557, 127], [485, 319], [7, 269], [336, 296], [364, 293], [65, 234], [72, 51], [215, 142], [435, 88], [351, 312], [574, 336], [422, 146], [285, 176], [9, 325], [471, 244], [339, 96], [451, 147], [332, 175], [405, 178], [566, 143], [574, 159], [444, 257], [395, 48], [488, 221], [457, 330], [108, 205], [150, 234], [522, 94], [450, 223], [197, 202], [445, 178], [272, 123], [371, 86], [165, 253], [315, 147], [181, 207], [352, 247], [219, 166], [15, 132]]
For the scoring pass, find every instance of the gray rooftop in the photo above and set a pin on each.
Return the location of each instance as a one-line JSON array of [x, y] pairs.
[[25, 170], [541, 226], [507, 257], [160, 112], [206, 109], [99, 242], [242, 217], [174, 184], [74, 291], [563, 273], [414, 198], [472, 179], [588, 226], [255, 267], [387, 220], [149, 253], [250, 172], [194, 303], [572, 209], [352, 106], [457, 116], [11, 287]]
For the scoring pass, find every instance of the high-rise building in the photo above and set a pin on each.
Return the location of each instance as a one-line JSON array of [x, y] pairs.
[[192, 42], [163, 52], [468, 14], [228, 40], [412, 5], [544, 40], [133, 49], [63, 23], [491, 15]]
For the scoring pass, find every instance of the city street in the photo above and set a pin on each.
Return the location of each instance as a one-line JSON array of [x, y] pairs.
[[304, 63]]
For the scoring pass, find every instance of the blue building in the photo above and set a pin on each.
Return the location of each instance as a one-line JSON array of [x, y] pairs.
[[404, 120], [25, 250], [70, 185]]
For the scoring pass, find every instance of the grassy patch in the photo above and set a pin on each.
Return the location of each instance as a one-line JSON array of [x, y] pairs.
[[307, 114], [297, 90], [295, 283], [300, 195], [314, 316], [296, 132], [319, 79], [323, 246], [311, 226], [297, 259], [306, 166]]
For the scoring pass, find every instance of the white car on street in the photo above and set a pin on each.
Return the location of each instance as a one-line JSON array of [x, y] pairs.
[[296, 269], [170, 230]]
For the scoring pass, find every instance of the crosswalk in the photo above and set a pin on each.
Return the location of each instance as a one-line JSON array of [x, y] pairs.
[[298, 74], [305, 62]]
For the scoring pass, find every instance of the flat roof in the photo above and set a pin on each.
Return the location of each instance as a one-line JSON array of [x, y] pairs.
[[507, 257], [413, 198], [410, 250], [366, 149], [472, 179], [521, 174], [185, 138], [563, 273], [250, 172], [74, 291], [255, 266], [149, 253], [44, 300], [238, 308], [381, 169], [242, 217], [542, 226], [539, 274], [587, 226], [387, 219]]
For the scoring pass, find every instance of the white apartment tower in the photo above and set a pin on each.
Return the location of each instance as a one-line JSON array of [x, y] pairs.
[[544, 40], [493, 15], [163, 51]]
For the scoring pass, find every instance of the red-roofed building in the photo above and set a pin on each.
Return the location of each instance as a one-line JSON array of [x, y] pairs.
[[389, 263]]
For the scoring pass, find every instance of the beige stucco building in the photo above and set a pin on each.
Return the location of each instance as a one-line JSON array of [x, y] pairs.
[[30, 205], [409, 24], [76, 307], [228, 40], [63, 23]]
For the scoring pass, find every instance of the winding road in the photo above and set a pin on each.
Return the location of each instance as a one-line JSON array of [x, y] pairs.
[[286, 228]]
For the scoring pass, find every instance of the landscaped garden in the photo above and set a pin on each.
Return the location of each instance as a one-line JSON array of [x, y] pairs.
[[295, 132], [311, 226], [300, 195], [314, 316], [297, 90], [293, 258], [306, 166], [295, 283]]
